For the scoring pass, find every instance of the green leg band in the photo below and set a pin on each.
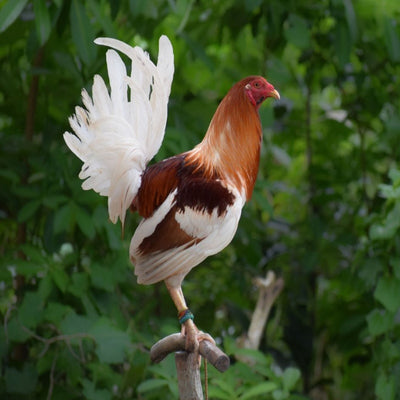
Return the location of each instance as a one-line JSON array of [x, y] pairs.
[[184, 315]]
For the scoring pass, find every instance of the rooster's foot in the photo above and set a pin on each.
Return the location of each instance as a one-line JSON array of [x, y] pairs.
[[194, 336]]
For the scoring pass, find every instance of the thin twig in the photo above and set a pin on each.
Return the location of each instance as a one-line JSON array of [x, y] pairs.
[[52, 369], [60, 338], [205, 379]]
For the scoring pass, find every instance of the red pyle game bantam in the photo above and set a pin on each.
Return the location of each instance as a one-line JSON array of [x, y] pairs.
[[190, 203]]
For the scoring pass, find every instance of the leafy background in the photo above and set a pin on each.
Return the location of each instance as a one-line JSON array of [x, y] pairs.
[[325, 214]]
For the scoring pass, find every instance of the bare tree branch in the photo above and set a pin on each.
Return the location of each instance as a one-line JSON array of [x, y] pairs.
[[269, 290]]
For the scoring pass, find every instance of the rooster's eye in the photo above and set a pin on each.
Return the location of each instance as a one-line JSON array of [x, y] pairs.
[[257, 85]]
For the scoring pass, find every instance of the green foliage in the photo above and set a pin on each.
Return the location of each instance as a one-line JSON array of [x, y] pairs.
[[325, 213], [259, 381]]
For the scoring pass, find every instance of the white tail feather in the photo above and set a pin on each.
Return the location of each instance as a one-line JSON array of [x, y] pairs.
[[116, 136]]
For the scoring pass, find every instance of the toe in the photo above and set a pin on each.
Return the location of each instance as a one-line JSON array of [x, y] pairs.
[[205, 336]]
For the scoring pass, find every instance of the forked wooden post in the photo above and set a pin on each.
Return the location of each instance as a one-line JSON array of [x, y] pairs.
[[187, 364], [188, 372]]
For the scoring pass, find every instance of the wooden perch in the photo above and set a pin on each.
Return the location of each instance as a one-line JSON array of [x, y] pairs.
[[269, 290], [176, 343], [188, 372], [187, 363]]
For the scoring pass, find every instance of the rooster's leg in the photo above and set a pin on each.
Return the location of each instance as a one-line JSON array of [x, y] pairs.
[[189, 329]]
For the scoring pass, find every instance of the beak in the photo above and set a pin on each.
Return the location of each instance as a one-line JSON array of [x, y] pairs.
[[275, 94]]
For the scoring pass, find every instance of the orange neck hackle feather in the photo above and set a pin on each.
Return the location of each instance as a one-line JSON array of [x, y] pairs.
[[231, 146]]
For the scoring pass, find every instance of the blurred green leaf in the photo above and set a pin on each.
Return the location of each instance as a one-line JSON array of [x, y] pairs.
[[10, 176], [53, 201], [351, 19], [252, 355], [389, 192], [82, 32], [10, 12], [387, 292], [56, 312], [216, 392], [385, 387], [91, 393], [342, 44], [259, 390], [103, 277], [105, 20], [29, 269], [111, 343], [392, 39], [388, 228], [63, 219], [395, 263], [30, 312], [379, 322], [42, 20], [226, 391], [28, 210], [297, 31], [79, 284], [74, 323], [85, 222], [151, 384], [290, 378], [394, 175], [21, 382], [60, 278], [252, 4], [15, 331]]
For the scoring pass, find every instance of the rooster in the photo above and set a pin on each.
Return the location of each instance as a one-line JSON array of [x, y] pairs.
[[190, 203]]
